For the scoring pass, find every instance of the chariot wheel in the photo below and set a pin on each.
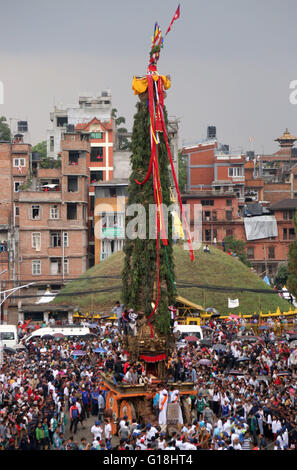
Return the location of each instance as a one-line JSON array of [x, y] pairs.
[[127, 409]]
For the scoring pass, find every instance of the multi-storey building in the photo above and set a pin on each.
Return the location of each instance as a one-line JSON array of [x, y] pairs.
[[45, 210], [87, 108], [211, 166]]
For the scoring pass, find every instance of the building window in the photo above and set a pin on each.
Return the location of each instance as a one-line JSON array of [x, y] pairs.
[[55, 239], [250, 253], [229, 215], [96, 176], [52, 143], [56, 266], [17, 185], [62, 121], [73, 157], [66, 266], [271, 252], [36, 240], [16, 210], [214, 215], [235, 171], [207, 235], [229, 232], [96, 154], [96, 135], [36, 267], [207, 202], [19, 162], [65, 238], [285, 234], [291, 234], [92, 203], [228, 202], [72, 184], [54, 212], [71, 211], [35, 212]]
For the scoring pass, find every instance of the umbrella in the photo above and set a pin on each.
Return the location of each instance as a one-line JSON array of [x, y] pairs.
[[248, 339], [20, 347], [284, 373], [191, 339], [78, 352], [235, 317], [235, 372], [293, 344], [205, 362], [212, 310], [206, 328], [206, 342], [58, 335], [218, 347], [100, 350], [293, 337], [47, 337], [243, 359]]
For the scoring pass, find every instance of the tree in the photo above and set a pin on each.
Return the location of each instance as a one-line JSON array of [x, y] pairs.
[[182, 171], [140, 265], [292, 263], [5, 134], [41, 148], [237, 246], [124, 143]]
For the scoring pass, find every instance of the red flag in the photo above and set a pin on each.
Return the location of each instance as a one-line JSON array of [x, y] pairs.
[[176, 17]]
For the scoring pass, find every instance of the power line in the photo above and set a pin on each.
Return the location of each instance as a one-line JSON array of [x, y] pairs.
[[180, 285]]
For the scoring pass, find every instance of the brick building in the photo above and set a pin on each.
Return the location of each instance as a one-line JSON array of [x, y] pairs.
[[46, 212]]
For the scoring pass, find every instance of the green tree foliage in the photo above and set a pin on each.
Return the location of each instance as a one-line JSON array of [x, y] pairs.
[[5, 134], [182, 172], [238, 247], [41, 148], [292, 263], [124, 143], [140, 266]]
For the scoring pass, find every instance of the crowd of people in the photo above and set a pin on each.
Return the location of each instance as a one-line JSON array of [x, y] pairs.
[[243, 397]]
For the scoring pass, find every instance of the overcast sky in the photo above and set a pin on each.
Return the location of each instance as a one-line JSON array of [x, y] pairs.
[[231, 62]]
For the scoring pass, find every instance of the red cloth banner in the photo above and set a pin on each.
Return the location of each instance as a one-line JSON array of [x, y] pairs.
[[158, 358]]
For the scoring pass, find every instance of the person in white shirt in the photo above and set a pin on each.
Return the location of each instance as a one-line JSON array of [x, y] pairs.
[[107, 430], [163, 403], [97, 430]]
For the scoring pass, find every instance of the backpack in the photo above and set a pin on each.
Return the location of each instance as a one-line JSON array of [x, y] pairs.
[[74, 413]]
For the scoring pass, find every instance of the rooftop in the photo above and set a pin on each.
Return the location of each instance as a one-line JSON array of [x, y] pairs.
[[284, 204]]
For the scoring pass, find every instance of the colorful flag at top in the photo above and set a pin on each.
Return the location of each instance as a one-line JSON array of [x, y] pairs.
[[176, 17], [157, 37]]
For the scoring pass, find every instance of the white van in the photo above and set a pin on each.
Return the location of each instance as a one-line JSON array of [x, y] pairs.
[[189, 330], [9, 335], [69, 330]]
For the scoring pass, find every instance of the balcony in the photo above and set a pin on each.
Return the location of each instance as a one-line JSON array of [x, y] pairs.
[[112, 232]]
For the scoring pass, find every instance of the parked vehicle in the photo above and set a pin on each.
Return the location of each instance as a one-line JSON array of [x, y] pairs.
[[68, 331], [9, 336]]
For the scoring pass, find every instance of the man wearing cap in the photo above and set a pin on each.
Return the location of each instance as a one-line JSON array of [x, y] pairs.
[[97, 430]]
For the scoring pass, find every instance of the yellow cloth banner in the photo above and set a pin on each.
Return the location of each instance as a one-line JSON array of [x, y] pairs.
[[139, 85]]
